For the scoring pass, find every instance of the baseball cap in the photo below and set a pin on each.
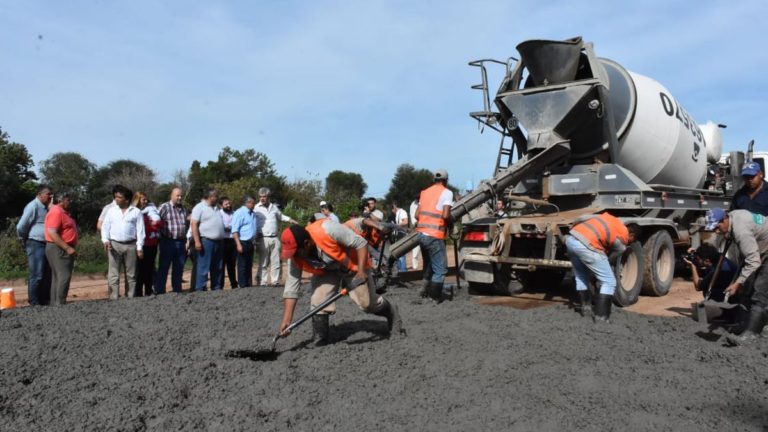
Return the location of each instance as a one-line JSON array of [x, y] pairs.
[[378, 214], [323, 203], [292, 237], [750, 169], [441, 174], [713, 218]]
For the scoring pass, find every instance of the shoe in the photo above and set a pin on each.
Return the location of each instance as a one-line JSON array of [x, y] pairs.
[[582, 306], [394, 322], [754, 328], [602, 311], [320, 329], [435, 292]]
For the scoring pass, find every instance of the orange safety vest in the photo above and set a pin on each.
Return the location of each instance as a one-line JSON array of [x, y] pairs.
[[344, 255], [370, 235], [430, 221], [601, 231]]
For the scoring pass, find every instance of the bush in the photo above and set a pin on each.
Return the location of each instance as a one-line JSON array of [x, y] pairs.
[[91, 257]]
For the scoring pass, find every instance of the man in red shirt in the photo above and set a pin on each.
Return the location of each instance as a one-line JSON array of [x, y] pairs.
[[61, 239]]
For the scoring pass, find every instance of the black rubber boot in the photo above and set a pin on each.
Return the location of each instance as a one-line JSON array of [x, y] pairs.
[[424, 292], [583, 306], [320, 329], [754, 328], [390, 312], [436, 292], [603, 308]]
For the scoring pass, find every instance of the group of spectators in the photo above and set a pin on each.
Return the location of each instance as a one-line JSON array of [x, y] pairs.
[[219, 241]]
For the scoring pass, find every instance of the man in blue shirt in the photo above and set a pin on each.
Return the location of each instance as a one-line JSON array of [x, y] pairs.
[[31, 232], [753, 196], [244, 232]]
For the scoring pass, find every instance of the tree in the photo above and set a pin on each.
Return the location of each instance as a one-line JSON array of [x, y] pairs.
[[15, 171], [68, 171], [343, 186], [233, 165], [407, 184]]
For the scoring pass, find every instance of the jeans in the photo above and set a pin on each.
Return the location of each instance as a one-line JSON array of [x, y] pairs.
[[229, 254], [209, 260], [585, 262], [435, 258], [171, 252], [39, 284], [401, 264], [245, 264]]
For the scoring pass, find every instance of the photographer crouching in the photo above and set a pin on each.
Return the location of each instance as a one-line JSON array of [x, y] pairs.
[[703, 261]]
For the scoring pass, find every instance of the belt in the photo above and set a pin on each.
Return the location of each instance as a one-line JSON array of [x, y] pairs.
[[210, 239], [270, 236], [124, 242]]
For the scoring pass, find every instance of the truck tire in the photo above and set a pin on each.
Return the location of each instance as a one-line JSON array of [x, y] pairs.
[[629, 275], [503, 283], [659, 264], [541, 279]]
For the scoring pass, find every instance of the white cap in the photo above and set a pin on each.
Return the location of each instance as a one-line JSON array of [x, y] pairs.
[[322, 203], [377, 214]]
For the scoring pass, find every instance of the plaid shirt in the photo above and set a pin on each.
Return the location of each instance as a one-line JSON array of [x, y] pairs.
[[175, 221]]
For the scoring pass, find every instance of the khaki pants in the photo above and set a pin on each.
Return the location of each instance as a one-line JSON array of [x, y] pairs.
[[61, 272], [269, 259], [122, 256], [326, 285]]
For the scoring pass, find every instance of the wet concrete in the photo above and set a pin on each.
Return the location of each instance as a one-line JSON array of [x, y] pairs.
[[192, 362]]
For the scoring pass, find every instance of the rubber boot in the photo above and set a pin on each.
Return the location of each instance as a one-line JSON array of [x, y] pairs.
[[435, 292], [424, 292], [390, 312], [755, 326], [320, 329], [582, 306], [602, 308]]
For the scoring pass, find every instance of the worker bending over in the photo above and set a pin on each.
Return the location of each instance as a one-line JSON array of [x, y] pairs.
[[589, 244], [333, 254], [749, 232]]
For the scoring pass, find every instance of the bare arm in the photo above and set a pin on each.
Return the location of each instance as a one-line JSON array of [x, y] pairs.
[[196, 235]]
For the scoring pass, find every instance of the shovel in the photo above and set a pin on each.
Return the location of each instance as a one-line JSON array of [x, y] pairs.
[[342, 292]]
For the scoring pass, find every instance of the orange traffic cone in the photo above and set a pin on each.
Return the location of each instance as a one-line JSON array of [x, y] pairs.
[[7, 298]]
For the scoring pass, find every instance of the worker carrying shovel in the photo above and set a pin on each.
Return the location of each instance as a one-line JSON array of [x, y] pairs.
[[334, 255]]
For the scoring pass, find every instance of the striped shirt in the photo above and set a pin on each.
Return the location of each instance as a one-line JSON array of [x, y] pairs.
[[174, 221]]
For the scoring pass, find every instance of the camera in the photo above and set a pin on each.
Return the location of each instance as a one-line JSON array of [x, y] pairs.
[[690, 256]]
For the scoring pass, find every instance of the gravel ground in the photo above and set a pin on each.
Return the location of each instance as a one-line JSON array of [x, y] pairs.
[[161, 364]]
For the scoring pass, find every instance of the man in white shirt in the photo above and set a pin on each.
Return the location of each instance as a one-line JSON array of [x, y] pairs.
[[268, 218], [122, 233], [401, 220], [415, 252]]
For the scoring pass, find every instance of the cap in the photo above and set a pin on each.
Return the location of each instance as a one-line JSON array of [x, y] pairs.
[[292, 237], [713, 219], [323, 203], [378, 214], [750, 169], [441, 174]]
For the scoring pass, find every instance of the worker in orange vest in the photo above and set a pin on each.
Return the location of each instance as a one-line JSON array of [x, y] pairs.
[[333, 254], [433, 215], [591, 240]]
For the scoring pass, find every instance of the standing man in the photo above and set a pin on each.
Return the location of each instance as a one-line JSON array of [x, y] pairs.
[[173, 237], [335, 255], [208, 233], [433, 215], [122, 233], [370, 205], [401, 220], [753, 196], [106, 208], [61, 238], [269, 218], [229, 252], [591, 240], [31, 232], [749, 232], [415, 252], [244, 232]]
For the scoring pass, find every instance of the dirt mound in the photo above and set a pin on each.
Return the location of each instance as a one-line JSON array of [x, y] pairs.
[[161, 364]]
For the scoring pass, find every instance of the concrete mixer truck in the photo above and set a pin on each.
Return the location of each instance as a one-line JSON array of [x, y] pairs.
[[581, 134]]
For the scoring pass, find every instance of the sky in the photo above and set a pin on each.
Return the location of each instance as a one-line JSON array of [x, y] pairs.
[[357, 86]]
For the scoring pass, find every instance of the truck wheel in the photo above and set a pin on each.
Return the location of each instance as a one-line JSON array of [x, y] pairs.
[[541, 279], [503, 283], [629, 276], [659, 264]]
